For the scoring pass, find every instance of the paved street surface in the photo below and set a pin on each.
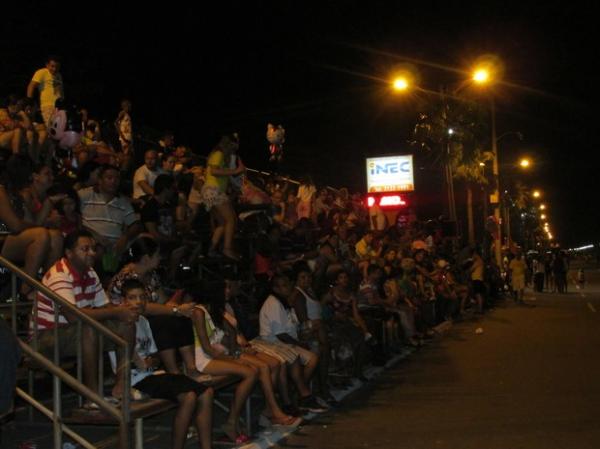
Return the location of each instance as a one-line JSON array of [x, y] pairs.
[[530, 380]]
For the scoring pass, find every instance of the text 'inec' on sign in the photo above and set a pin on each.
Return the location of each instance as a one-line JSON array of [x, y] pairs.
[[390, 174]]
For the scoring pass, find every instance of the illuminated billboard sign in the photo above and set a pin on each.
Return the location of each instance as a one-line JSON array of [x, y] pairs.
[[390, 174]]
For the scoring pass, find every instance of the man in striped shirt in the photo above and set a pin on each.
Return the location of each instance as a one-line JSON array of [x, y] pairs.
[[108, 215], [74, 279]]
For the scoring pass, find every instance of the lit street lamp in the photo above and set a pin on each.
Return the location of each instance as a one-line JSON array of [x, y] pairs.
[[403, 82], [482, 76], [400, 84], [525, 163], [537, 194]]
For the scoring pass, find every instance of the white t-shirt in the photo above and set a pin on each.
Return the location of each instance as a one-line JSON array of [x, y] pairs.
[[144, 346], [143, 174], [276, 319], [50, 86]]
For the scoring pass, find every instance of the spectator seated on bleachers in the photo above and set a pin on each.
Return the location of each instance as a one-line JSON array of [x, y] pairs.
[[74, 279], [194, 399], [159, 218], [345, 320], [109, 217], [169, 318], [24, 242], [279, 338], [144, 178], [403, 313], [12, 135], [235, 345], [312, 329], [212, 358]]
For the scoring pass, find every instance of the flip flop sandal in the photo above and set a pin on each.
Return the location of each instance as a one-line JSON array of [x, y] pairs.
[[240, 439], [288, 421]]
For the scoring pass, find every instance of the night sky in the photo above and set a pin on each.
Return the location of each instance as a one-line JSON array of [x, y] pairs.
[[319, 69]]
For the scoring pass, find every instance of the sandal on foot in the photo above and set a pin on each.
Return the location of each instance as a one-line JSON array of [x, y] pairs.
[[286, 421], [240, 439], [228, 430]]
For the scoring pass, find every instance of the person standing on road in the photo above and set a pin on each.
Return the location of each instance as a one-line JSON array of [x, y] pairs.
[[538, 275], [518, 268], [548, 262], [559, 268], [48, 81], [477, 277]]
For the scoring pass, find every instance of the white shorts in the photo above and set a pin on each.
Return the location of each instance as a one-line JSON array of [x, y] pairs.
[[211, 196], [283, 352]]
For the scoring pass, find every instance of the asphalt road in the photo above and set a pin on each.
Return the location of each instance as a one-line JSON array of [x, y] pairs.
[[531, 379]]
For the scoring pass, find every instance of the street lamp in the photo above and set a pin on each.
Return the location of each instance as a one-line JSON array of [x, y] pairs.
[[543, 216], [482, 76], [542, 207], [524, 163], [404, 81], [400, 84], [537, 194]]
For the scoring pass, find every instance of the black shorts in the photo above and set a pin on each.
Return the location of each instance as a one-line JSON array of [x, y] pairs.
[[171, 332], [169, 386], [479, 287]]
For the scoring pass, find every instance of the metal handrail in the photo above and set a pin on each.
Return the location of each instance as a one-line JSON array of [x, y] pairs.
[[122, 415]]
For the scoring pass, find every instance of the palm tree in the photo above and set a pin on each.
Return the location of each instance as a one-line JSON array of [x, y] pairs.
[[453, 131]]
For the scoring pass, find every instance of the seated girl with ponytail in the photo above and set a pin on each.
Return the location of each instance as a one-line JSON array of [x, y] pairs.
[[222, 350]]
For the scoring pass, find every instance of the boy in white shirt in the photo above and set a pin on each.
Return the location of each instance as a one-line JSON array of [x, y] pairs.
[[195, 399]]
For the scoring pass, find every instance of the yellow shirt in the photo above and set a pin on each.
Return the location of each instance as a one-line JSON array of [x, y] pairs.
[[216, 159], [363, 250], [517, 267], [478, 267]]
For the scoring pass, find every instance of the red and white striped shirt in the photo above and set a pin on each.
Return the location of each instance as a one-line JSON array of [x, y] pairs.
[[81, 290]]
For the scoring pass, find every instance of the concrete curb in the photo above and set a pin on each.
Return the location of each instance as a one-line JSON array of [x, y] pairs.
[[271, 436]]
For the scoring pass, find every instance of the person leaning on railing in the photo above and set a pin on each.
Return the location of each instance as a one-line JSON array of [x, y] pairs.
[[74, 279]]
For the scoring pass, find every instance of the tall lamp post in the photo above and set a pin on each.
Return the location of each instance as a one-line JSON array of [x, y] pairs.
[[482, 76], [401, 84]]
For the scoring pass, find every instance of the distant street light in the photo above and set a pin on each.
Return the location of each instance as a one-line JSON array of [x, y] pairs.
[[542, 207], [543, 216], [537, 194], [525, 163]]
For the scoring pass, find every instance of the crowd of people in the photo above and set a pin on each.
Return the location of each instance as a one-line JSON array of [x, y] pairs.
[[314, 283]]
